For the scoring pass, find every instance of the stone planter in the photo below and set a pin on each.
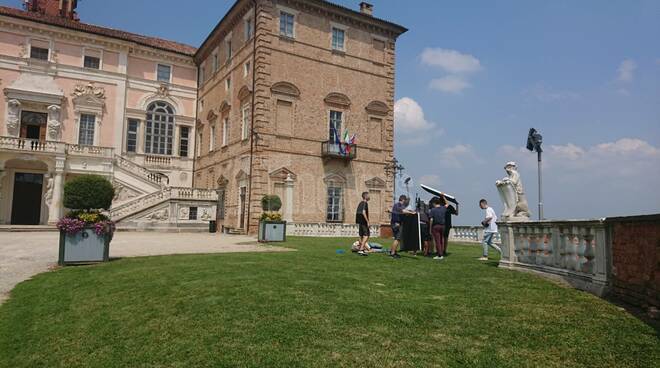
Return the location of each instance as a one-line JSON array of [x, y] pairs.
[[84, 247], [272, 231]]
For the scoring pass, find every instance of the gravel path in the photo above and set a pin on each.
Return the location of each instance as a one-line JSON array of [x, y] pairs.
[[25, 254]]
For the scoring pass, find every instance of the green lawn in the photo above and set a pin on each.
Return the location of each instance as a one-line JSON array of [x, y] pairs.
[[313, 308]]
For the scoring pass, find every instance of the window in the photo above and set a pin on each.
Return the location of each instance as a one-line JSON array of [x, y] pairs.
[[86, 129], [131, 135], [248, 29], [335, 125], [245, 121], [92, 62], [215, 62], [164, 73], [225, 133], [38, 53], [192, 214], [246, 69], [228, 50], [199, 144], [337, 39], [184, 134], [286, 24], [227, 84], [200, 77], [334, 213], [212, 138], [160, 129]]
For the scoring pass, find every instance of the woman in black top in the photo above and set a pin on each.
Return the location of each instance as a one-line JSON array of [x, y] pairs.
[[450, 211]]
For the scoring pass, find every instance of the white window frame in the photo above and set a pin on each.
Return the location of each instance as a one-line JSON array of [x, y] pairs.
[[171, 72], [28, 42], [228, 47], [245, 116], [212, 137], [292, 12], [94, 127], [172, 131], [225, 126], [340, 27], [248, 28], [137, 134], [340, 205], [202, 74], [198, 147], [187, 139], [84, 54]]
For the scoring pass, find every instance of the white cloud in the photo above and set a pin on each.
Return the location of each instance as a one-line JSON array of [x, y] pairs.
[[626, 70], [409, 116], [451, 61], [449, 84], [431, 180], [547, 94], [455, 156]]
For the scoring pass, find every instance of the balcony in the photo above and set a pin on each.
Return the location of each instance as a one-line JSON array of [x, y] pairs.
[[31, 145], [342, 151]]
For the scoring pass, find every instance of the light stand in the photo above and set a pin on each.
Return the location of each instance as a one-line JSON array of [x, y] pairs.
[[534, 141]]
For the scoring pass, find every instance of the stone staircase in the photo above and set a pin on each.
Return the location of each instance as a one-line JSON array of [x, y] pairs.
[[145, 201]]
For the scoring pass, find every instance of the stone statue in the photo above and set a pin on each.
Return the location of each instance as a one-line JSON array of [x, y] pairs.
[[13, 116], [48, 196], [54, 124], [512, 195]]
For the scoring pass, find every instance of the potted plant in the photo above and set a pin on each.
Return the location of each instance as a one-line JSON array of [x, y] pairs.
[[271, 226], [85, 232]]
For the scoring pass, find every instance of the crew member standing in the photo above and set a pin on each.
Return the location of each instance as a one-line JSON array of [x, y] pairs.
[[451, 211], [362, 220], [438, 213]]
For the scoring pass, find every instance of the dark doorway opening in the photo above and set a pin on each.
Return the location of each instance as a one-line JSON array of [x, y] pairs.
[[26, 205]]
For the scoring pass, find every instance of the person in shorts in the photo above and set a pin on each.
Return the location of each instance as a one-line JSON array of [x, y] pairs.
[[362, 220], [398, 210]]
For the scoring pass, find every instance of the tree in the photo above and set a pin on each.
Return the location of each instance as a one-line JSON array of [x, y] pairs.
[[88, 192]]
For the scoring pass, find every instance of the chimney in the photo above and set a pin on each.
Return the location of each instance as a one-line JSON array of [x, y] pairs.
[[366, 8], [54, 8]]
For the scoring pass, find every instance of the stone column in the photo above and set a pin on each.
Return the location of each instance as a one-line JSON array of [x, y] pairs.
[[56, 197], [2, 176], [288, 190]]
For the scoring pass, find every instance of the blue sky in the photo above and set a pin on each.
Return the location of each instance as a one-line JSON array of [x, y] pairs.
[[474, 76]]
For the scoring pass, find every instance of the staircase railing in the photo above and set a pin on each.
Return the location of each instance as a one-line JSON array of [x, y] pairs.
[[141, 203], [154, 177]]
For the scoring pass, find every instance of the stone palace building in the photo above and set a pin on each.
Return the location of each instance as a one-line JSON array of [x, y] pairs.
[[266, 105]]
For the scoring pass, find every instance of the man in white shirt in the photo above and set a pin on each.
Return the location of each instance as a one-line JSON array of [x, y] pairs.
[[490, 229]]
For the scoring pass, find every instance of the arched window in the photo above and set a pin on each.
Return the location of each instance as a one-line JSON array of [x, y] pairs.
[[160, 128]]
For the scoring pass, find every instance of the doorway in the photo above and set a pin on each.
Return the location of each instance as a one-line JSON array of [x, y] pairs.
[[33, 125], [241, 207], [26, 204]]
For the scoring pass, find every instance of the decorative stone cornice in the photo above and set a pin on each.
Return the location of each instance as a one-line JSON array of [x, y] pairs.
[[377, 108], [285, 88], [340, 99]]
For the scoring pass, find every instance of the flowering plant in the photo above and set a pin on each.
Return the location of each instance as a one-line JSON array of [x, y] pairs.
[[271, 216], [70, 225], [75, 221]]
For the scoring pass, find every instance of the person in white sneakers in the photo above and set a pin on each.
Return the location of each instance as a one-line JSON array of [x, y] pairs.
[[490, 229]]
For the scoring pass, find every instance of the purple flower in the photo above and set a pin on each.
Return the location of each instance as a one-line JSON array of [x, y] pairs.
[[70, 225], [104, 227]]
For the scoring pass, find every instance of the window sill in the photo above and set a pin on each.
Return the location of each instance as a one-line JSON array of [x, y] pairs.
[[339, 52], [284, 37]]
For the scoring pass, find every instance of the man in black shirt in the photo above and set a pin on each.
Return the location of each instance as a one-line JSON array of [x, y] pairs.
[[450, 211], [362, 220]]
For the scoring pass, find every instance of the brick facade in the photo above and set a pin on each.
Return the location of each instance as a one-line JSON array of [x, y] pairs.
[[636, 260], [297, 81]]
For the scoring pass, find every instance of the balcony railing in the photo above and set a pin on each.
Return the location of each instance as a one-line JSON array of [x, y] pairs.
[[95, 151], [31, 145], [343, 151]]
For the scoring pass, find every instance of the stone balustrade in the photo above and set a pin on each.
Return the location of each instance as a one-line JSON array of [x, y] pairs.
[[470, 234], [575, 251], [157, 160], [156, 178], [82, 150], [165, 194], [31, 145], [326, 230]]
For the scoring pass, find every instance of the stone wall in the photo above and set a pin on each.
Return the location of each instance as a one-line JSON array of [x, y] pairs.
[[636, 260], [618, 257]]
